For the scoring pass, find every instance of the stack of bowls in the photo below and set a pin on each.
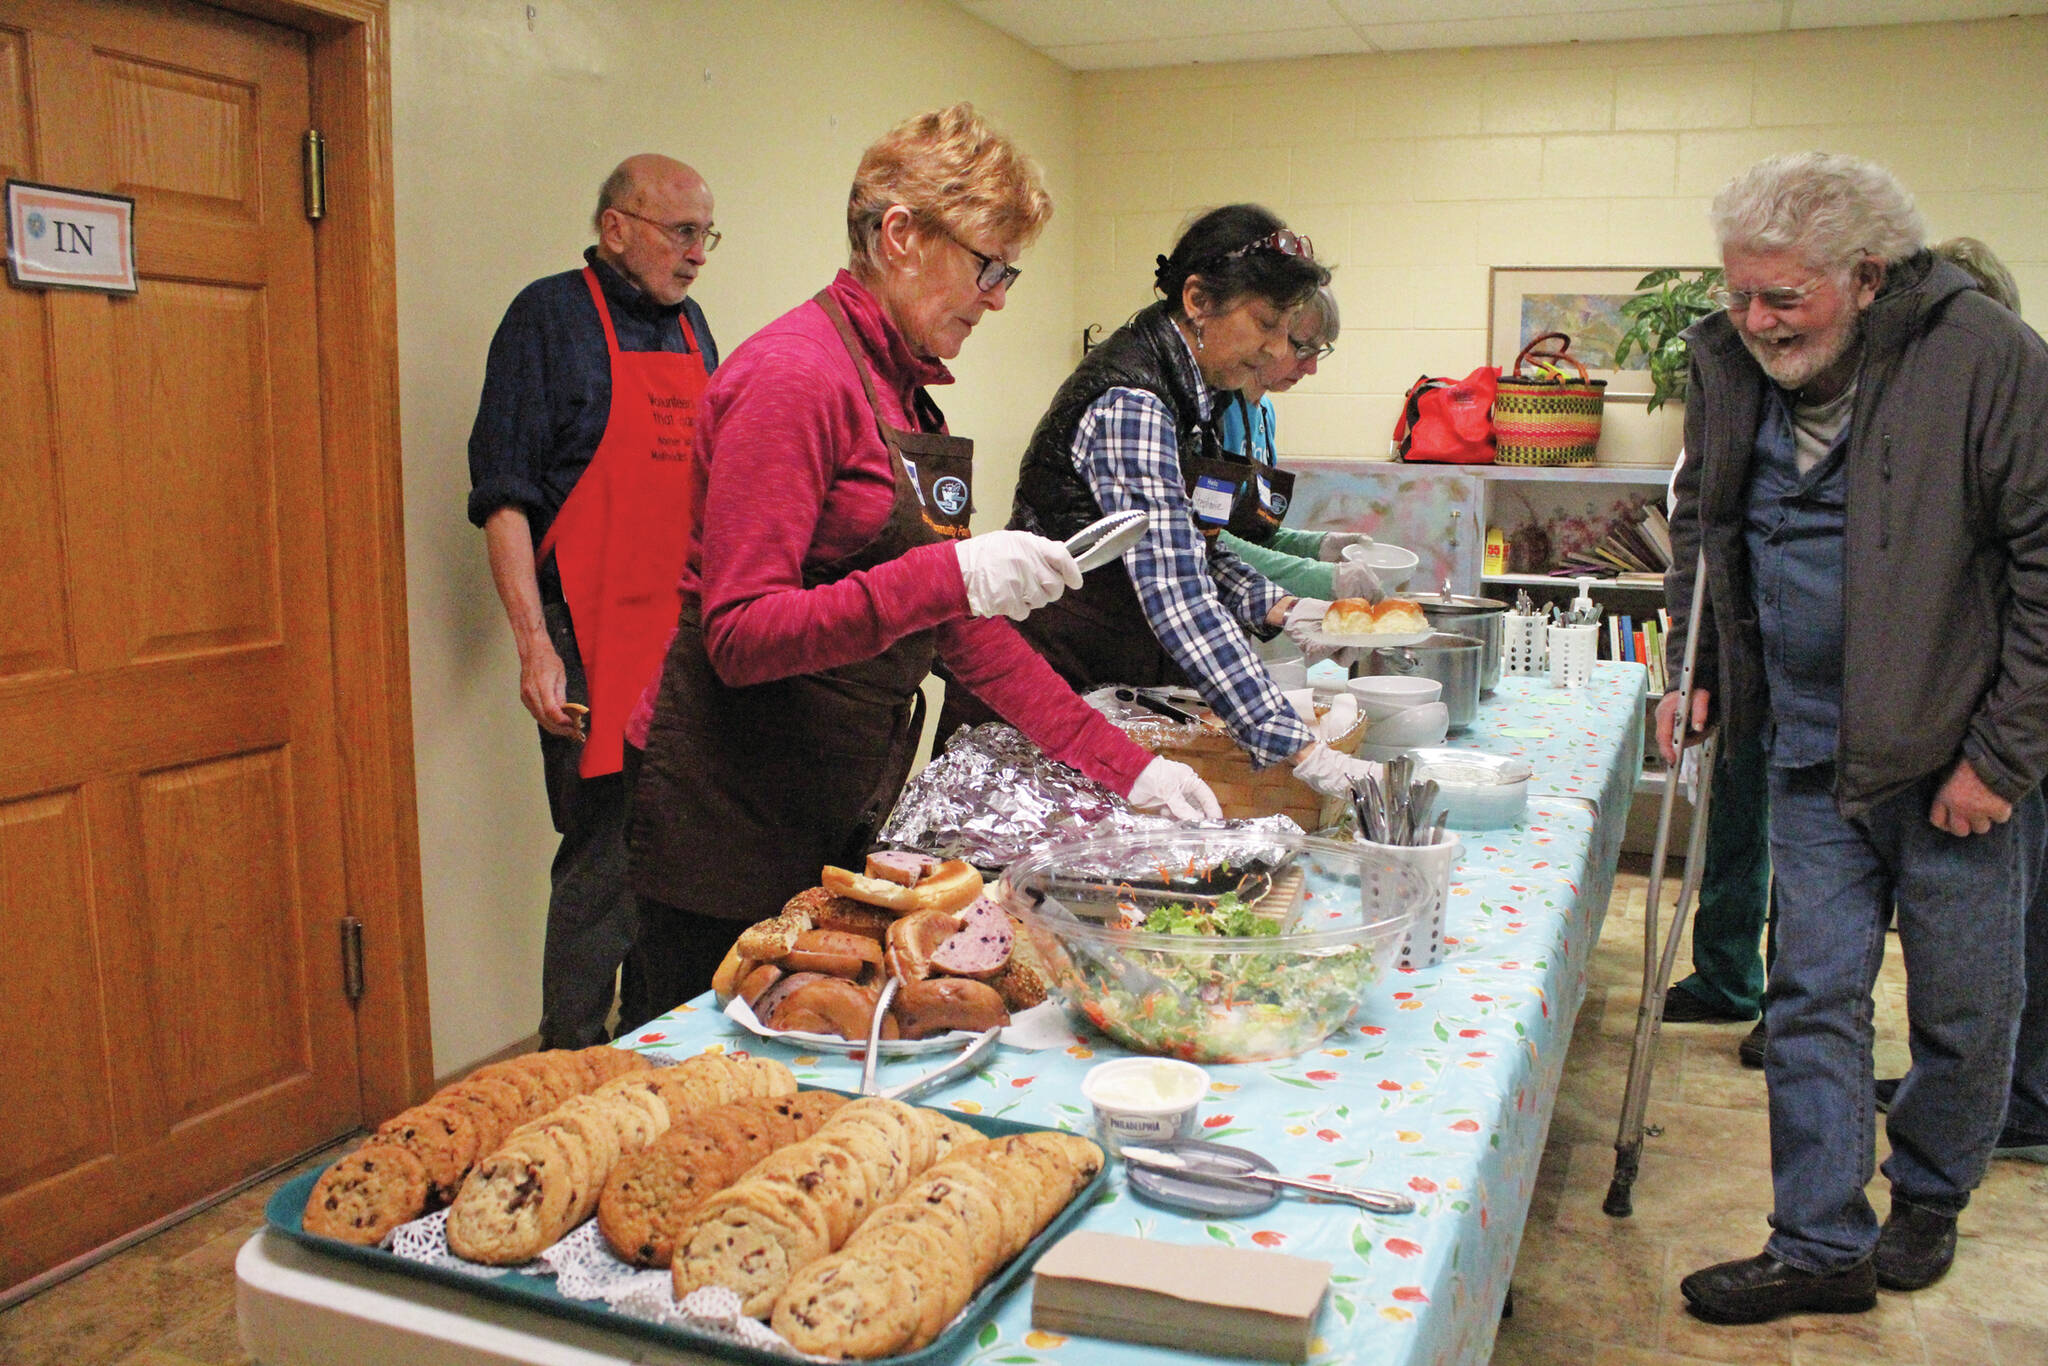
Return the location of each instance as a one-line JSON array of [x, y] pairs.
[[1402, 712]]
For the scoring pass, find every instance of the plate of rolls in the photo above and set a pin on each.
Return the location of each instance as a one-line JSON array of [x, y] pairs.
[[1355, 623], [813, 974]]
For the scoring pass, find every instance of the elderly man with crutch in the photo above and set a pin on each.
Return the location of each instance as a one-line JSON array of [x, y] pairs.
[[1868, 484]]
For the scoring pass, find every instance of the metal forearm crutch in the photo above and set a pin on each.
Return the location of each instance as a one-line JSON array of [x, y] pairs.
[[1628, 1139]]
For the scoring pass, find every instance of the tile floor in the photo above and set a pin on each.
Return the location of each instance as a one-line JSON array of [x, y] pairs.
[[1589, 1290]]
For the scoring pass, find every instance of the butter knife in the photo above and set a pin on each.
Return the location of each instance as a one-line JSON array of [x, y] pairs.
[[1223, 1169]]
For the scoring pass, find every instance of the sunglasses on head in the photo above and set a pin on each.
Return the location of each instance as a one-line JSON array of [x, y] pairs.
[[1283, 240]]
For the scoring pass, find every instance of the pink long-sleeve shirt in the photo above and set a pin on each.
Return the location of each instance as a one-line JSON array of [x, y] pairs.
[[792, 472]]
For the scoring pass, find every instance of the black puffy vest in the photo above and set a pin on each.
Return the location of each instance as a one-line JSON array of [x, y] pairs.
[[1145, 353]]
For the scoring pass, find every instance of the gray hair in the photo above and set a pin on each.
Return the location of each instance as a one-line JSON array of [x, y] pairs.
[[1323, 305], [1984, 267], [1832, 210], [617, 188]]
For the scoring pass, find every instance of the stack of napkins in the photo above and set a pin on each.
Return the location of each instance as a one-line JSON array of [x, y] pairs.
[[1223, 1300]]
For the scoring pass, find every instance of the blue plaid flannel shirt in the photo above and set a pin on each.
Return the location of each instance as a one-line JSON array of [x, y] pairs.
[[1194, 594]]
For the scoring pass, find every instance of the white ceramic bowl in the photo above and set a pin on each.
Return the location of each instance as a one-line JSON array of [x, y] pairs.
[[1423, 725], [1393, 564], [1381, 695], [1144, 1100], [1480, 791]]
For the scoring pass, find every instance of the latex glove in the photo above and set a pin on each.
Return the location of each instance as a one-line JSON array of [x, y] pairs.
[[1335, 543], [1014, 573], [1173, 789], [1305, 616], [1332, 772], [1356, 578]]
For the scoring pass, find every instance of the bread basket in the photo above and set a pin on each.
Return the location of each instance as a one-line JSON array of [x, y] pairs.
[[1241, 790]]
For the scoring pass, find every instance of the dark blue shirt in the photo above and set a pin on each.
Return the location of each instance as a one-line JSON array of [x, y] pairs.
[[548, 387], [1795, 530]]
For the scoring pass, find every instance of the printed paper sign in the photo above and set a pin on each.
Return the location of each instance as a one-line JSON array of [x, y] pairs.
[[70, 239]]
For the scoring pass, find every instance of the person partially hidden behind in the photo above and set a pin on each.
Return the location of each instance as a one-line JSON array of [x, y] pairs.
[[579, 476], [1867, 474], [2025, 1134]]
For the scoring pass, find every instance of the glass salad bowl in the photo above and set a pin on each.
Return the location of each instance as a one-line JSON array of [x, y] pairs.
[[1213, 945]]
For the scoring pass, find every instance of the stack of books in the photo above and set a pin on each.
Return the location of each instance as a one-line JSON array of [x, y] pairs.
[[1635, 549], [1641, 642]]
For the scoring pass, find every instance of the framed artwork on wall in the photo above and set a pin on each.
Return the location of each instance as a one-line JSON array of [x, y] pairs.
[[1583, 302]]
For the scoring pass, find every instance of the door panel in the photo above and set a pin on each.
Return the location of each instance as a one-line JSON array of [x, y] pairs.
[[53, 998], [33, 635], [170, 822], [217, 494]]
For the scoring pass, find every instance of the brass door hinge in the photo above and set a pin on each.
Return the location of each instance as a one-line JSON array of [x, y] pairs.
[[352, 958], [316, 175]]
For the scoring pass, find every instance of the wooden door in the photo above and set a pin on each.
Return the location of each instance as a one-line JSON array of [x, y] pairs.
[[172, 1010]]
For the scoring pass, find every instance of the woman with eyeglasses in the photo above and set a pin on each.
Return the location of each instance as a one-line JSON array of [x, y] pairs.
[[1134, 427], [1308, 563], [830, 565]]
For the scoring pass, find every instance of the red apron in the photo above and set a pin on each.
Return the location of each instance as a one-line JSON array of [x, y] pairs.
[[620, 540]]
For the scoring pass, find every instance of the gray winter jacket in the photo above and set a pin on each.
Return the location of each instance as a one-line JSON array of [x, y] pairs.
[[1945, 635]]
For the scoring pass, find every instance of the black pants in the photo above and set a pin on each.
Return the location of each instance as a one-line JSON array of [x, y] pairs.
[[677, 954], [591, 916]]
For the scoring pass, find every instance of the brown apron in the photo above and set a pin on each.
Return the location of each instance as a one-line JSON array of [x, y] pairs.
[[745, 793]]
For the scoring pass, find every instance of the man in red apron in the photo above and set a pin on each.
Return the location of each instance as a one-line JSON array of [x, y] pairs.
[[579, 466]]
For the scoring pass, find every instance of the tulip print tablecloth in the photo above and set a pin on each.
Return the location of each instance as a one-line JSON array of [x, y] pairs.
[[1441, 1087]]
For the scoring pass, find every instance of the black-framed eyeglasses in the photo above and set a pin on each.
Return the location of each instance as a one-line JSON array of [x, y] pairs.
[[994, 273], [1283, 240], [1311, 350], [683, 235]]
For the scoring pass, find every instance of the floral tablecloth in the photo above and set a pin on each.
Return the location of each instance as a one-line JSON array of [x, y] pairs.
[[1441, 1087]]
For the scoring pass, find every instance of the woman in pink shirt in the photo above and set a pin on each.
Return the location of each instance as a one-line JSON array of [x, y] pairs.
[[830, 566]]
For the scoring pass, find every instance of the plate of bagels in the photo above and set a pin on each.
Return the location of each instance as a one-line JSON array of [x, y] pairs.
[[1354, 623], [813, 974]]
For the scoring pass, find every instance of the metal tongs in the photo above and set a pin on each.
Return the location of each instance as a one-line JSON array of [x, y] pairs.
[[970, 1059], [1156, 703], [1106, 538]]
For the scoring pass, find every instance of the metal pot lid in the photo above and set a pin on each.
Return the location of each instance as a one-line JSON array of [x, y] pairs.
[[1461, 606]]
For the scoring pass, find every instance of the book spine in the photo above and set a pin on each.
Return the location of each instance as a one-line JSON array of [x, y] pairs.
[[1628, 640]]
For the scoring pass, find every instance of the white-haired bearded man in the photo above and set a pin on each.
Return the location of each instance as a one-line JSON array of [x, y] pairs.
[[1870, 487]]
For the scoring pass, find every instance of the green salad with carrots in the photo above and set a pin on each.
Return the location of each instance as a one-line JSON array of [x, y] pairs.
[[1236, 1003]]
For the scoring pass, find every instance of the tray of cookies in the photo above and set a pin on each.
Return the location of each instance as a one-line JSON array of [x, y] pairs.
[[852, 1227]]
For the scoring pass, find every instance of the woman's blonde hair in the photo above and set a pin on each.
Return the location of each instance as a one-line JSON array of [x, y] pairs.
[[953, 172]]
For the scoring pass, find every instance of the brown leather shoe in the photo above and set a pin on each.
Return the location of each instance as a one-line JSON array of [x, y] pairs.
[[1762, 1287], [1914, 1248]]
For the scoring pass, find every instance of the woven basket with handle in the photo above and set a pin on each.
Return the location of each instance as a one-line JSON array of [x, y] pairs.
[[1243, 791], [1548, 417]]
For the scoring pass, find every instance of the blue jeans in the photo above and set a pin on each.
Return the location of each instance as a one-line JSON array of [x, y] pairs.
[[1961, 906], [2030, 1060]]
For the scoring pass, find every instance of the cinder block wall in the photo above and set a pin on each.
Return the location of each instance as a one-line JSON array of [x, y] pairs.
[[1416, 172]]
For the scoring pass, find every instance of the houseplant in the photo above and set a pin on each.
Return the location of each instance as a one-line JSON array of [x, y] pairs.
[[1671, 300]]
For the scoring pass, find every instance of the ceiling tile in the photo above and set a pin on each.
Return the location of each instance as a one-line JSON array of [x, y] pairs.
[[1851, 13], [1046, 24], [1124, 34], [1249, 47]]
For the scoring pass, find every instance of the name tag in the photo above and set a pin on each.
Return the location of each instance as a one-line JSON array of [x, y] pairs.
[[1212, 498]]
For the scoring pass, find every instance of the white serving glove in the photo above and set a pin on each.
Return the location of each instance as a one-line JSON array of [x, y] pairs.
[[1335, 543], [1014, 573], [1173, 789], [1304, 617], [1357, 579], [1332, 771]]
